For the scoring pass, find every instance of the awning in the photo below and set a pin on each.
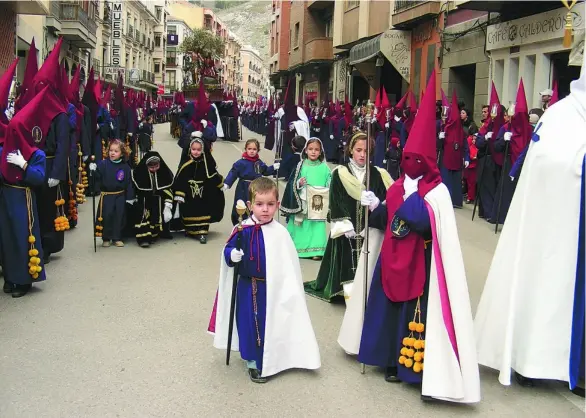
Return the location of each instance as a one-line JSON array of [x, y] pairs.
[[365, 50]]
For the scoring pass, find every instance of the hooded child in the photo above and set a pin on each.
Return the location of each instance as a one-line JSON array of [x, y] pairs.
[[198, 189], [305, 201], [418, 313], [152, 181], [272, 331]]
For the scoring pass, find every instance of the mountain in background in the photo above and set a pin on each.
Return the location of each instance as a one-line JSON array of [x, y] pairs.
[[249, 20]]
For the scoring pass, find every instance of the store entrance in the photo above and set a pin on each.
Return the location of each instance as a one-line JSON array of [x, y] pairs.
[[563, 73], [360, 88], [463, 80]]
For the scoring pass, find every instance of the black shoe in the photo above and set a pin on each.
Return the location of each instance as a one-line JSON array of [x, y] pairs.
[[255, 376], [391, 375], [145, 245], [426, 398], [20, 290], [47, 259], [524, 381], [203, 239], [166, 235], [7, 287]]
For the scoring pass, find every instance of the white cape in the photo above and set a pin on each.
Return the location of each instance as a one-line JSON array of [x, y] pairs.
[[289, 338], [445, 377], [219, 129], [524, 317]]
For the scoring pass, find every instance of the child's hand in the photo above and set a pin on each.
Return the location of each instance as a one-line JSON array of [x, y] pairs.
[[302, 181]]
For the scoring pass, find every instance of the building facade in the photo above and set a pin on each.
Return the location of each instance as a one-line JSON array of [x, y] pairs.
[[231, 75], [279, 39], [252, 71], [175, 77]]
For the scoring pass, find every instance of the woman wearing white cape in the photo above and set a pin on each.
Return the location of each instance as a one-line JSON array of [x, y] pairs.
[[289, 340]]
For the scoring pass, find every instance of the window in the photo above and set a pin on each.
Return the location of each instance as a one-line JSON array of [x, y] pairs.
[[171, 57], [329, 29], [296, 43], [158, 41], [159, 10], [172, 30], [170, 79], [350, 4]]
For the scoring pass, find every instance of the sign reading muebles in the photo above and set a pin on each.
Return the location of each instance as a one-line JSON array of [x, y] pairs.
[[116, 46], [537, 28]]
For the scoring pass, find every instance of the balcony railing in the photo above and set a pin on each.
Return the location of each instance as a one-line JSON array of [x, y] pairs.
[[129, 31], [107, 14], [136, 36], [74, 12], [148, 76], [97, 66], [171, 62]]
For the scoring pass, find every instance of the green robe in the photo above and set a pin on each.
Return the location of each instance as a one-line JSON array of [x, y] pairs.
[[341, 256], [309, 236]]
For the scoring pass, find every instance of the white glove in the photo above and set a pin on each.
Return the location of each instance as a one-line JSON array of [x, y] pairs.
[[85, 157], [350, 234], [140, 125], [368, 198], [512, 178], [225, 187], [442, 135], [387, 125], [276, 166], [466, 164], [236, 255], [130, 134], [204, 123], [52, 183], [97, 127], [131, 201], [167, 214], [397, 118], [331, 136], [488, 135], [410, 186], [111, 126], [179, 199], [374, 119], [16, 159], [508, 136], [93, 166]]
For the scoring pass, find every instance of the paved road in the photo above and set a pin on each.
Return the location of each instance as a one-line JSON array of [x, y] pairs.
[[122, 333]]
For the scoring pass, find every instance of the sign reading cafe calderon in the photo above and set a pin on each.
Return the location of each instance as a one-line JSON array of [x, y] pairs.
[[116, 46], [537, 28], [396, 47]]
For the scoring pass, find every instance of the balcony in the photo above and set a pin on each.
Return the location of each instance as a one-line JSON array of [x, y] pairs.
[[129, 32], [408, 14], [31, 7], [171, 63], [320, 4], [107, 14], [319, 49], [136, 38], [97, 66], [76, 27], [147, 78]]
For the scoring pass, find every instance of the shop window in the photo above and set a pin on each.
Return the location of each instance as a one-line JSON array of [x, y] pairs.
[[529, 79], [498, 75], [417, 72], [513, 80]]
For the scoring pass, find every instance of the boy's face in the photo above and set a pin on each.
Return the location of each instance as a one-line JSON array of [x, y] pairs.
[[251, 150], [153, 168], [264, 206]]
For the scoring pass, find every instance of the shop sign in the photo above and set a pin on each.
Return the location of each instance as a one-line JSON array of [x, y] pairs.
[[537, 28], [396, 47], [116, 46]]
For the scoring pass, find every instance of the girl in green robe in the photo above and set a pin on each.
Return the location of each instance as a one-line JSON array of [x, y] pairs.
[[346, 216], [303, 202]]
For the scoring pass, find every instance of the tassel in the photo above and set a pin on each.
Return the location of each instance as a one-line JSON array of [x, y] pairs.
[[568, 31]]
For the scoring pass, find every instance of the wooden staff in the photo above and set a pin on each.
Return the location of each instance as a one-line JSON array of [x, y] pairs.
[[240, 209], [93, 191], [365, 251]]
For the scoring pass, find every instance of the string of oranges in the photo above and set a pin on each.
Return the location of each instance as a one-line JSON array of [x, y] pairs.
[[413, 350]]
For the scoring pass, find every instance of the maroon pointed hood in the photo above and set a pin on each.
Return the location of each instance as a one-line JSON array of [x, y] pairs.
[[555, 95], [32, 67], [5, 83], [403, 102], [28, 129], [445, 101], [421, 143], [50, 72], [74, 86], [520, 126]]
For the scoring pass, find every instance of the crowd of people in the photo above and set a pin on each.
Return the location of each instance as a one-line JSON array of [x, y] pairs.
[[394, 189]]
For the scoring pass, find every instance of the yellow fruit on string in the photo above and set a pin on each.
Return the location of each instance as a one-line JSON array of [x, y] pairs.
[[418, 356], [31, 239], [420, 328], [410, 352], [35, 276], [412, 326], [403, 351], [406, 341], [79, 154], [408, 363], [402, 360], [417, 344]]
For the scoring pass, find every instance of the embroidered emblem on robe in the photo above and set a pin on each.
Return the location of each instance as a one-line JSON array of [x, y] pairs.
[[120, 175], [196, 190], [399, 227]]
